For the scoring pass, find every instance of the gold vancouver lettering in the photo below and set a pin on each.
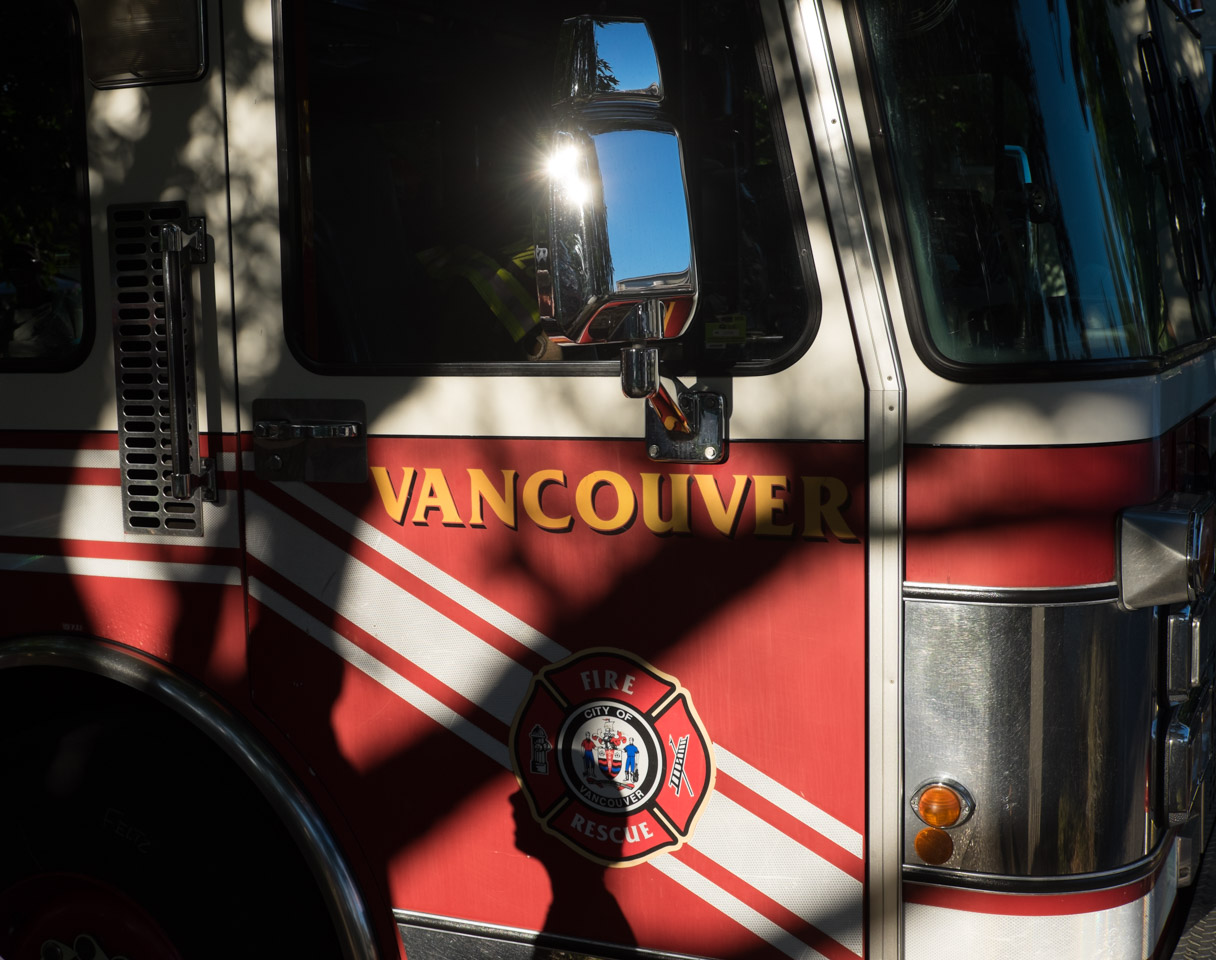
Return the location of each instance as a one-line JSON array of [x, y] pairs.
[[810, 507]]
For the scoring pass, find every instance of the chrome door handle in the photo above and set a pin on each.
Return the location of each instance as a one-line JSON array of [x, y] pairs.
[[307, 430], [177, 248]]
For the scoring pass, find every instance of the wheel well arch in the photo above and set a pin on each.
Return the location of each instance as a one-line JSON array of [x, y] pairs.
[[29, 665]]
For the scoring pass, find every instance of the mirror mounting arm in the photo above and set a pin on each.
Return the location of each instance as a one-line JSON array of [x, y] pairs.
[[640, 371]]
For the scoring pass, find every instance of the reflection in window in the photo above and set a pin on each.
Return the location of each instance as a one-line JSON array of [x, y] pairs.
[[417, 169], [42, 203], [1035, 178]]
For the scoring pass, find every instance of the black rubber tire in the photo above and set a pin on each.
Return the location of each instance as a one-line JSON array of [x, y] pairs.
[[101, 782]]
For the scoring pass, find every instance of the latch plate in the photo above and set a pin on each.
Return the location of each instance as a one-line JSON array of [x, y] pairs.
[[320, 441]]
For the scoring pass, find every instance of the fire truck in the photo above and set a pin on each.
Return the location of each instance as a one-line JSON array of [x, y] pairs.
[[725, 479]]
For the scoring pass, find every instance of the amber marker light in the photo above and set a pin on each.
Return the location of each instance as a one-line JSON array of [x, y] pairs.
[[942, 803], [939, 806], [934, 846]]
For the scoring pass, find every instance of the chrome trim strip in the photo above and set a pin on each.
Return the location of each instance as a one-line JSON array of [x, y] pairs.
[[1018, 596], [1074, 883], [466, 941], [231, 734], [816, 72]]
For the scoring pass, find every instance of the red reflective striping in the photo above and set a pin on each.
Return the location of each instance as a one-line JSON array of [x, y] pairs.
[[793, 828], [65, 476], [1051, 509], [1029, 904], [786, 919], [132, 549], [227, 443]]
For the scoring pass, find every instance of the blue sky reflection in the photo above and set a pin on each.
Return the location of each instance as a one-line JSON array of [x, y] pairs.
[[645, 207]]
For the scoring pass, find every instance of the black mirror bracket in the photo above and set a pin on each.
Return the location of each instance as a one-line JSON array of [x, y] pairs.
[[698, 431]]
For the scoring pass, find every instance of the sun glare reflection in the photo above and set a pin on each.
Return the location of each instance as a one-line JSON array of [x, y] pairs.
[[564, 170]]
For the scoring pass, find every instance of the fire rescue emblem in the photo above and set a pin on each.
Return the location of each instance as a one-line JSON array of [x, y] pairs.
[[612, 756]]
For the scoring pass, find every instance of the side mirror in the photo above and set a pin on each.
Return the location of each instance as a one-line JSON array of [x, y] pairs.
[[614, 255]]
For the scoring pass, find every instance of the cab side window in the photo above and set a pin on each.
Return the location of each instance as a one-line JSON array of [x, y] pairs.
[[45, 323], [415, 175]]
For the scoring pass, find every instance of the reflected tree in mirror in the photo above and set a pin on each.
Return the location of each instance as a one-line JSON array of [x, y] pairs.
[[598, 58]]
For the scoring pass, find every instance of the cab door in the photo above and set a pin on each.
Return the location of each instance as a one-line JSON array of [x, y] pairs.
[[105, 144], [570, 676]]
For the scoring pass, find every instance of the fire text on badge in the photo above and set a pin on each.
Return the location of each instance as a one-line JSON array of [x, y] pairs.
[[612, 756]]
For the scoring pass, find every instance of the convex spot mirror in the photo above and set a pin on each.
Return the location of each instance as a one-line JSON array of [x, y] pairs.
[[614, 252], [599, 59]]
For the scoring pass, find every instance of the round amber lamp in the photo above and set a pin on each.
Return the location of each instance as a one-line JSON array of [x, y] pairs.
[[939, 806]]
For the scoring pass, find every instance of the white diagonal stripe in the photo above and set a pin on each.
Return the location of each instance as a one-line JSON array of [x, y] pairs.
[[785, 798], [427, 572], [785, 871], [444, 649], [736, 909], [392, 681]]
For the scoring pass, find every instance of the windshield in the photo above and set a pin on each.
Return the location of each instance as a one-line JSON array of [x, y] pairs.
[[1053, 162]]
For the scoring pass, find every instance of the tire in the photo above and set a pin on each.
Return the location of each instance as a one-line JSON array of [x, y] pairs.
[[121, 811]]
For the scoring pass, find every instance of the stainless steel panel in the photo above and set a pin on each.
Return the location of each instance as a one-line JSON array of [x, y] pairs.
[[1044, 713]]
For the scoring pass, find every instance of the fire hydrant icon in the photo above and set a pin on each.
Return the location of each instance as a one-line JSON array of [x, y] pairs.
[[540, 750]]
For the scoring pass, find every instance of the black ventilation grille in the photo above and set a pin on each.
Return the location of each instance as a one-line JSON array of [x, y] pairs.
[[141, 368]]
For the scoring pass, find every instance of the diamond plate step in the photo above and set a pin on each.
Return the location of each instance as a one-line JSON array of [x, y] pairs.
[[1198, 940]]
